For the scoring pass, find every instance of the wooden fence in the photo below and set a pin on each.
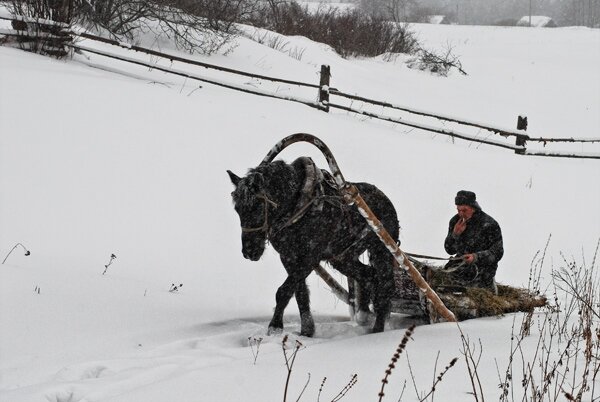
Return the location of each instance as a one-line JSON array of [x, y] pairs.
[[61, 38], [39, 35]]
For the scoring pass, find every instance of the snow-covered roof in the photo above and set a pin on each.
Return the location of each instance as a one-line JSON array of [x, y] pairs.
[[536, 21], [436, 19]]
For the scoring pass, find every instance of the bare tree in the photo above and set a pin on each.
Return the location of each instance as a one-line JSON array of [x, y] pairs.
[[398, 10], [54, 10], [194, 25]]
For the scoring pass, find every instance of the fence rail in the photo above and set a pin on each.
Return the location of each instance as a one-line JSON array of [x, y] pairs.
[[501, 131], [432, 129], [324, 93], [193, 76], [191, 62]]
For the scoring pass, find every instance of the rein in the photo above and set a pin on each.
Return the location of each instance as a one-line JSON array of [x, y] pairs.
[[429, 257], [414, 257]]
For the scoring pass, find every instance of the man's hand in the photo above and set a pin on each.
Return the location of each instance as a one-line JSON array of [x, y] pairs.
[[460, 227], [469, 258]]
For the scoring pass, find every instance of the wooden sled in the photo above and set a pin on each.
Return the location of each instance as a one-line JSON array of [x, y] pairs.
[[465, 303], [417, 297]]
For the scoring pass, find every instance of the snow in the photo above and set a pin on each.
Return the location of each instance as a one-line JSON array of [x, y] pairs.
[[100, 157]]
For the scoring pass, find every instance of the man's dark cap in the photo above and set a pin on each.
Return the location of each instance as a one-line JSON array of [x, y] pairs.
[[464, 197]]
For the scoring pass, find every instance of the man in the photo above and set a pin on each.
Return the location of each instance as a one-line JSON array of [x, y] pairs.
[[475, 239]]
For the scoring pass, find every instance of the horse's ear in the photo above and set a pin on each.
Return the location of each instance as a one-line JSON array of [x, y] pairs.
[[234, 179]]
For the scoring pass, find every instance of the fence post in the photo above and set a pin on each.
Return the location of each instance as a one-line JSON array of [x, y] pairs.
[[324, 87], [44, 37], [521, 139]]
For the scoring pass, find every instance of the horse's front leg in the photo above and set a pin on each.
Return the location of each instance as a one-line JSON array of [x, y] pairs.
[[294, 283]]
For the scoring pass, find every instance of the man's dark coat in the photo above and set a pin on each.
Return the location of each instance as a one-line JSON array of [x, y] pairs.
[[482, 237]]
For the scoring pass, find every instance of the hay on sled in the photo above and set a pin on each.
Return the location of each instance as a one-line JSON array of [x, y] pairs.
[[464, 302], [477, 302]]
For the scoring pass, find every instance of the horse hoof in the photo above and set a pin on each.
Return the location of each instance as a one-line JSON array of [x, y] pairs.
[[308, 332], [378, 326], [274, 331], [362, 318], [307, 325]]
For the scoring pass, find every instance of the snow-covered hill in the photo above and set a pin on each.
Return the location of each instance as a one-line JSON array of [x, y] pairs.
[[99, 157]]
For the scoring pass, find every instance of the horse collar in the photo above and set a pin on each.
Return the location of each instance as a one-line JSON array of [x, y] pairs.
[[310, 197], [312, 189]]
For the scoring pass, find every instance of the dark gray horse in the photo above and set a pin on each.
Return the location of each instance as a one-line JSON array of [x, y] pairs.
[[301, 213]]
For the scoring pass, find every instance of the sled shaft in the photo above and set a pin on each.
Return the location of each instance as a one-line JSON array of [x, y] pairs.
[[337, 289]]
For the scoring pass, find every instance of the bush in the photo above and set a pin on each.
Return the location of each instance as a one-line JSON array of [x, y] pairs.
[[435, 62], [196, 26], [349, 33], [54, 10]]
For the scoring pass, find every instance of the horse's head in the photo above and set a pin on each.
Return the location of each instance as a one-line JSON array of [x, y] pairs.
[[253, 205]]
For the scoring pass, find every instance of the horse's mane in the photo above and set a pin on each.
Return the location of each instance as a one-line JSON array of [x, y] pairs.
[[275, 180]]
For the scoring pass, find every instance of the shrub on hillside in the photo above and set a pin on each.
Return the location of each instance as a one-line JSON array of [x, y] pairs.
[[53, 10], [438, 63], [349, 33]]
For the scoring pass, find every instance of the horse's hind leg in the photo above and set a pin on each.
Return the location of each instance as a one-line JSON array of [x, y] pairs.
[[384, 286], [307, 323], [361, 273]]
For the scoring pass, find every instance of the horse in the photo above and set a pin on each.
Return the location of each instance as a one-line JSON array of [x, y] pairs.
[[298, 209]]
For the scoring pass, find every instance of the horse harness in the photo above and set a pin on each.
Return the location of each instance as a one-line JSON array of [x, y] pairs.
[[265, 225], [312, 197]]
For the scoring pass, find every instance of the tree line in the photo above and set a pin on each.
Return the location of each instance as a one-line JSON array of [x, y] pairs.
[[487, 12]]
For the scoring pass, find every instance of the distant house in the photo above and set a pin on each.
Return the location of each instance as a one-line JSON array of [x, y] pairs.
[[437, 19], [538, 21]]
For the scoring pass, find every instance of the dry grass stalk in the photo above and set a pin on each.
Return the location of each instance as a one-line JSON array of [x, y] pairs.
[[254, 346], [439, 378], [566, 353], [533, 285], [289, 362], [401, 347], [472, 355], [347, 387], [27, 252]]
